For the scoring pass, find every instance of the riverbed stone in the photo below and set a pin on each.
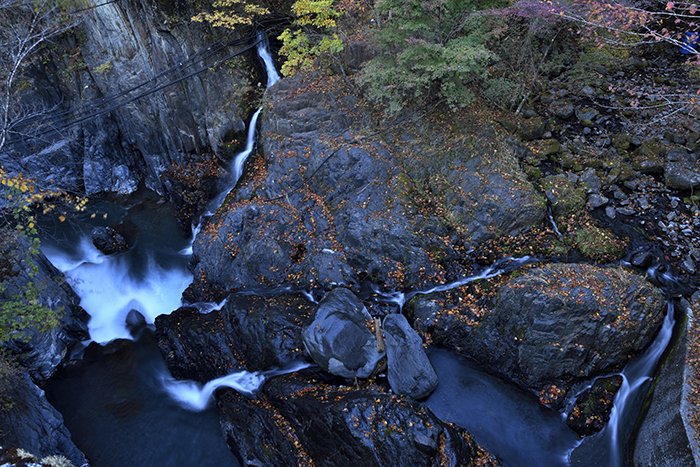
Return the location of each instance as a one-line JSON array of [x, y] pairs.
[[302, 419], [409, 370], [249, 332], [682, 169], [549, 327], [108, 240], [340, 338]]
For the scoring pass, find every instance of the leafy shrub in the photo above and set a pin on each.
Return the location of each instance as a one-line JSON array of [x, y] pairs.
[[428, 49]]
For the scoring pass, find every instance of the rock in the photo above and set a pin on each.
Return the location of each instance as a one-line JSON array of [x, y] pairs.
[[682, 170], [586, 114], [562, 109], [410, 371], [135, 322], [611, 212], [140, 137], [621, 142], [340, 339], [367, 200], [567, 197], [665, 437], [108, 240], [596, 200], [40, 351], [642, 260], [33, 425], [263, 244], [531, 129], [591, 412], [249, 332], [648, 158], [689, 265], [297, 422], [553, 325], [587, 91], [626, 211], [591, 180]]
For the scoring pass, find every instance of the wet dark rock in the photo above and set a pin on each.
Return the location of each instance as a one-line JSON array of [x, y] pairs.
[[41, 352], [250, 332], [642, 260], [265, 244], [108, 240], [135, 322], [665, 437], [586, 114], [340, 338], [591, 412], [409, 370], [32, 424], [682, 170], [331, 207], [300, 421], [553, 325], [562, 109]]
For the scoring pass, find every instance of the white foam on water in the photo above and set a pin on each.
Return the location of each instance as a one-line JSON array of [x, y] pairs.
[[108, 291], [196, 397]]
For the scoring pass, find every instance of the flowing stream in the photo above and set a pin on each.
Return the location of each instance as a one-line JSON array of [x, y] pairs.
[[124, 408], [120, 402]]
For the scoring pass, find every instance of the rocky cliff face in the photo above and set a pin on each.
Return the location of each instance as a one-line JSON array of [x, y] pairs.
[[139, 60]]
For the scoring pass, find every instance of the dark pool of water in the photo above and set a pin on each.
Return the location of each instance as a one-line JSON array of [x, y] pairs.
[[502, 418], [119, 415]]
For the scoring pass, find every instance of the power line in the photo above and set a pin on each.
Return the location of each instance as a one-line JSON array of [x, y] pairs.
[[142, 94]]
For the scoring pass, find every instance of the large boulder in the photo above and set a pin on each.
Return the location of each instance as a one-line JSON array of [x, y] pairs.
[[353, 201], [31, 423], [29, 278], [410, 371], [341, 339], [299, 422], [249, 332], [682, 169], [550, 326], [264, 244]]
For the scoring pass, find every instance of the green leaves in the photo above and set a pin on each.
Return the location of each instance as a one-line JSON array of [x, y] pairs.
[[430, 50], [313, 34]]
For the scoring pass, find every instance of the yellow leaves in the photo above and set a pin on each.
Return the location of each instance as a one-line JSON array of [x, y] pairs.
[[230, 14]]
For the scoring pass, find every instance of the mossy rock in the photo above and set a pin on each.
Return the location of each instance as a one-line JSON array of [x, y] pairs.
[[621, 142], [597, 244], [567, 197]]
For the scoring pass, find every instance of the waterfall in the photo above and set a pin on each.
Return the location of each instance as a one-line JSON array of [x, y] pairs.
[[639, 371], [238, 162], [496, 269], [108, 289], [194, 396]]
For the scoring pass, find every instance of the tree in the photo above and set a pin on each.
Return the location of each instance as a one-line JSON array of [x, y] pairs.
[[428, 49], [26, 28], [230, 14], [313, 34]]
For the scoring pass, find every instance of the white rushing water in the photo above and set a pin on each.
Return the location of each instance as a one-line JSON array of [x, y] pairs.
[[108, 290], [634, 375], [238, 162], [496, 269], [196, 397]]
